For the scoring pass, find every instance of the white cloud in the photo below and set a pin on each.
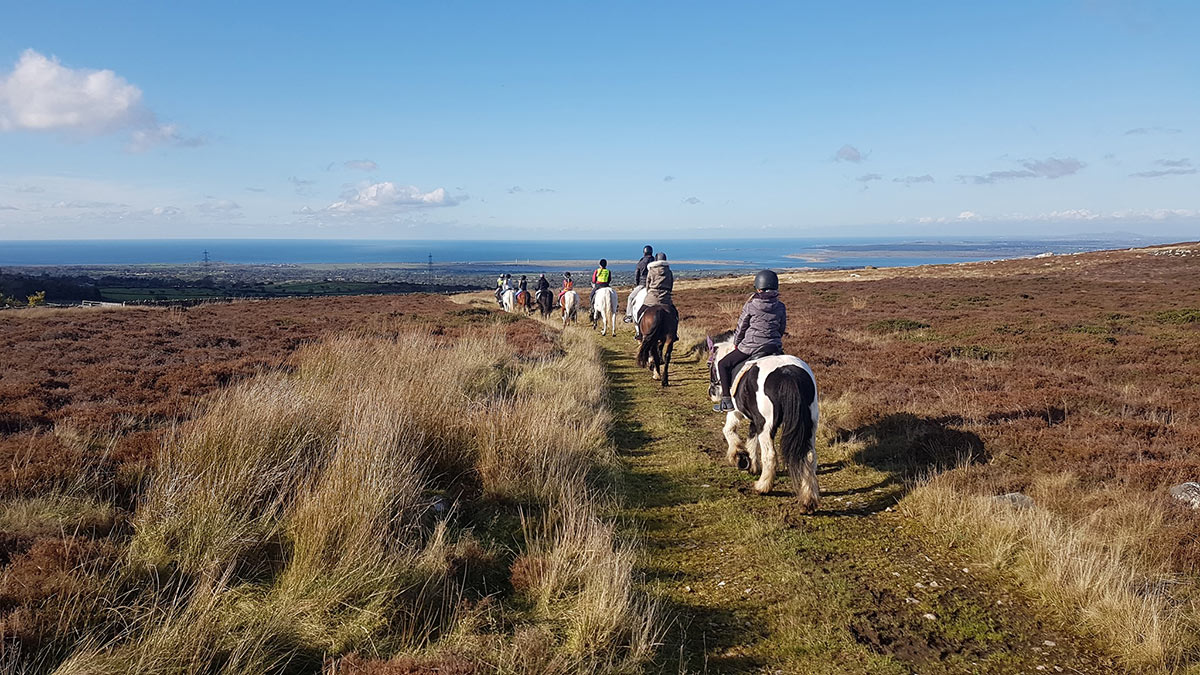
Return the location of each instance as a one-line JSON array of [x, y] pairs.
[[378, 196], [218, 207], [41, 94], [361, 165], [692, 200], [848, 153]]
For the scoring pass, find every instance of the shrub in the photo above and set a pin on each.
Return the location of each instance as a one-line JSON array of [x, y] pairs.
[[885, 326]]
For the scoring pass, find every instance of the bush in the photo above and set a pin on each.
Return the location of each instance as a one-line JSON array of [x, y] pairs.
[[885, 326]]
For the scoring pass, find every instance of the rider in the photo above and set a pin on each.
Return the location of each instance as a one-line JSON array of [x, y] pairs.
[[659, 284], [759, 332], [600, 278], [639, 282], [541, 285], [502, 284], [568, 285]]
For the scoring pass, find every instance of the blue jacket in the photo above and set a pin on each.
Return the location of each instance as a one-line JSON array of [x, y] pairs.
[[762, 324]]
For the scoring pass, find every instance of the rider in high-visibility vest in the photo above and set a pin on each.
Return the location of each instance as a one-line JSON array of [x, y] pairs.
[[600, 279]]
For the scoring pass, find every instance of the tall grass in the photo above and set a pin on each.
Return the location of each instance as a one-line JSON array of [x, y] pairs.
[[1099, 571], [322, 513]]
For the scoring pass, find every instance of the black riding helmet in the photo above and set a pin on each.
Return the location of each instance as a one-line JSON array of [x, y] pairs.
[[603, 262], [661, 256], [566, 275], [766, 280], [647, 250], [523, 278]]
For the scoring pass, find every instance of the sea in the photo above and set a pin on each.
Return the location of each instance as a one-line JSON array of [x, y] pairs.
[[684, 254]]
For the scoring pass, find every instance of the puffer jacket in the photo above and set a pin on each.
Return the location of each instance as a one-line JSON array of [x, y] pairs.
[[762, 324], [659, 283]]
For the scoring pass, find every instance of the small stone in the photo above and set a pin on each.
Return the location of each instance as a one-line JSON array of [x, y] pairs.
[[720, 584], [1016, 500], [933, 584], [911, 601], [1050, 643], [1188, 493], [687, 589], [930, 616], [966, 570], [748, 590], [920, 585]]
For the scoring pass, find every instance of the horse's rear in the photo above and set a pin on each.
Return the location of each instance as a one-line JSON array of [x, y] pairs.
[[778, 394], [509, 301], [606, 308], [545, 303], [570, 307], [660, 330]]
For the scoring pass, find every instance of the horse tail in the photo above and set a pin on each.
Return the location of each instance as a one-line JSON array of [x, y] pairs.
[[794, 397]]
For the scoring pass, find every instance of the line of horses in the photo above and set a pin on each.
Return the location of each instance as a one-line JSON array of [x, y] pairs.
[[776, 394]]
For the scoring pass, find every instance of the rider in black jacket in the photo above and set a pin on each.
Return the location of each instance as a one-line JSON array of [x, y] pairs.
[[639, 275]]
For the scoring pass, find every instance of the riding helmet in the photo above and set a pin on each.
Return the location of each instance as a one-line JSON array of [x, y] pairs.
[[603, 262], [766, 280], [566, 275], [648, 250], [507, 275], [523, 278], [661, 256]]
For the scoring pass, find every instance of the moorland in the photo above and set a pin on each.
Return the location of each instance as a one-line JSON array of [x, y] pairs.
[[420, 484]]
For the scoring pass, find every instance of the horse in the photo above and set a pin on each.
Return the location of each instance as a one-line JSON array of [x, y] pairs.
[[525, 301], [545, 303], [604, 307], [634, 303], [509, 300], [776, 394], [570, 307], [660, 331]]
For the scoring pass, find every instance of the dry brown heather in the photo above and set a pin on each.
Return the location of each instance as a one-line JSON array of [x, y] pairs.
[[1071, 379], [88, 396]]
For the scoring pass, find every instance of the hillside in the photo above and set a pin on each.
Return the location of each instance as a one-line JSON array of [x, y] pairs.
[[563, 513]]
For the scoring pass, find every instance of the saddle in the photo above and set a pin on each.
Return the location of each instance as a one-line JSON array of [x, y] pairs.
[[743, 367]]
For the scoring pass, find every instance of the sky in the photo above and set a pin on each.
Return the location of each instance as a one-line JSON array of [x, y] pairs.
[[467, 120]]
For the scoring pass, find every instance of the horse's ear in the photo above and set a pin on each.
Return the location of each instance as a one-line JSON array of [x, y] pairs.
[[708, 339]]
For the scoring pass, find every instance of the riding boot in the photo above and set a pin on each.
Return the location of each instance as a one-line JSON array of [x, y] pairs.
[[725, 405]]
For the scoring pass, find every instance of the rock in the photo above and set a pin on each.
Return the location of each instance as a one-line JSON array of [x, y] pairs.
[[931, 617], [1016, 500], [1188, 493]]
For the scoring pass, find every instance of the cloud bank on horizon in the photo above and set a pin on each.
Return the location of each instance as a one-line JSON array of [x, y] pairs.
[[149, 136]]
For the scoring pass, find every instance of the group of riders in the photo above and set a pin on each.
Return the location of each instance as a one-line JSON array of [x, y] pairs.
[[760, 327], [652, 285]]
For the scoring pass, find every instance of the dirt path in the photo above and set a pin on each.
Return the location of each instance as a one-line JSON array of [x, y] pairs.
[[753, 586]]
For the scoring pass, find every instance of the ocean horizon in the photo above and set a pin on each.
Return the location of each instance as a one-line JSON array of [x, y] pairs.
[[793, 252]]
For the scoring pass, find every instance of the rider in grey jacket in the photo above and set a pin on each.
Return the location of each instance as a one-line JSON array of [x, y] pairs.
[[759, 332]]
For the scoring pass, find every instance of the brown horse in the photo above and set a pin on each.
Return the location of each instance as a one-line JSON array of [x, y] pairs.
[[525, 301], [660, 331]]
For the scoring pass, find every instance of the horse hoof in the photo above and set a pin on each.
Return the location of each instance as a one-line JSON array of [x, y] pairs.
[[743, 461]]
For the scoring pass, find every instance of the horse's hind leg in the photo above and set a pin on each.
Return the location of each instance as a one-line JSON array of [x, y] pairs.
[[766, 445], [669, 344], [753, 451]]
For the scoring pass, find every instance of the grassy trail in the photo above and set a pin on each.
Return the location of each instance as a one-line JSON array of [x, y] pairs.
[[753, 586]]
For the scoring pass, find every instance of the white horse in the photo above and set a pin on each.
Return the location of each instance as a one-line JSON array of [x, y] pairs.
[[570, 307], [775, 393], [509, 301], [633, 304], [604, 306]]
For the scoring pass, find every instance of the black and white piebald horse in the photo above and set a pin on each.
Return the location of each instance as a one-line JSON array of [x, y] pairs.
[[776, 394]]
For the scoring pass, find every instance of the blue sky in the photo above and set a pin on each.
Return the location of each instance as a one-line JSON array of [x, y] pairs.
[[471, 120]]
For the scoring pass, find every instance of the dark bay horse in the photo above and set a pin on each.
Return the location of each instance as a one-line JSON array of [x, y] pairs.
[[545, 303], [660, 331]]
